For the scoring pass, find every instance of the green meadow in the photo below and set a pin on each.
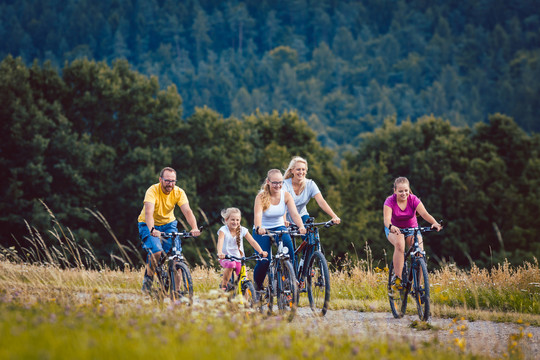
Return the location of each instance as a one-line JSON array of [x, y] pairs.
[[53, 312]]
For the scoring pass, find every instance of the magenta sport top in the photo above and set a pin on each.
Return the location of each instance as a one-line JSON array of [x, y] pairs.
[[403, 218]]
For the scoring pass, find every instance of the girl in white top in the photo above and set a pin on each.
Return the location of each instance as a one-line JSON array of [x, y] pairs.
[[271, 205], [230, 242], [303, 190]]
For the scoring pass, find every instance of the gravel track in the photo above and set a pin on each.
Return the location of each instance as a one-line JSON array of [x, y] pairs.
[[482, 337]]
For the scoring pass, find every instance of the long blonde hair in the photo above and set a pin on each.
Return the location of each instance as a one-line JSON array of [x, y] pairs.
[[292, 165], [226, 214], [264, 192]]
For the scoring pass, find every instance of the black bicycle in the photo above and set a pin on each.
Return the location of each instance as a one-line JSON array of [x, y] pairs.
[[241, 286], [311, 266], [415, 278], [280, 280], [172, 270]]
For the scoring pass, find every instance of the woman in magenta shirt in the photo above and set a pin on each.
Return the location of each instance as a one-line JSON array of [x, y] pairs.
[[399, 211]]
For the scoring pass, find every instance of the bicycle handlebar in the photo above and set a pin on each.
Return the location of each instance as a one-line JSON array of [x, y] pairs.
[[254, 256], [421, 229], [309, 225], [184, 234], [276, 232]]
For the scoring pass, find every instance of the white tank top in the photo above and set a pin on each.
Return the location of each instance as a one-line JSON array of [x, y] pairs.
[[273, 216]]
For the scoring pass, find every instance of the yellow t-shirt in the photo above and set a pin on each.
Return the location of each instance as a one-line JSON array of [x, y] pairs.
[[164, 204]]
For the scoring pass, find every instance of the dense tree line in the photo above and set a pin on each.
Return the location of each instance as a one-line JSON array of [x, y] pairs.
[[95, 137], [344, 66]]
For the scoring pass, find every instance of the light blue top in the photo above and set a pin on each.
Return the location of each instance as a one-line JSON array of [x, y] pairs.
[[303, 198], [273, 216]]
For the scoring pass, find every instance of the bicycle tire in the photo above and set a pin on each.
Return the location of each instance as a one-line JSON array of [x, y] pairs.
[[249, 294], [318, 283], [185, 288], [161, 281], [265, 297], [287, 289], [397, 299], [421, 293]]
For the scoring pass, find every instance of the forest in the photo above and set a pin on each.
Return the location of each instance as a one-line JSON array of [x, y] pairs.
[[98, 96], [94, 139], [344, 66]]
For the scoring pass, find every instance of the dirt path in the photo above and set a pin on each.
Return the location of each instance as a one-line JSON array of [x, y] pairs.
[[481, 337]]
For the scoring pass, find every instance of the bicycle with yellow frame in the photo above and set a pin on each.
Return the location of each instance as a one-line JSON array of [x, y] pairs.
[[241, 285]]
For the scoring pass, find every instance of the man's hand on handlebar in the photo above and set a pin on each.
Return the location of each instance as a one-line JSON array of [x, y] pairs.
[[195, 232]]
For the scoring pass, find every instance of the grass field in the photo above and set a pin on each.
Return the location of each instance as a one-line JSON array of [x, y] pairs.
[[49, 312], [53, 307]]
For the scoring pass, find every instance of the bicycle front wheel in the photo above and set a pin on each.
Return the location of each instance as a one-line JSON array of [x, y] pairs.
[[287, 289], [318, 283], [249, 294], [421, 288], [397, 297], [181, 283]]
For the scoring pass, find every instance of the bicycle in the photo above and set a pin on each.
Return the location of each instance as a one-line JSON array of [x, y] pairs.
[[281, 281], [172, 270], [242, 286], [314, 279], [414, 277]]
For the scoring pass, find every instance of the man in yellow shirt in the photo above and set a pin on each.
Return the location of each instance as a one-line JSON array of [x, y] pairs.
[[157, 216]]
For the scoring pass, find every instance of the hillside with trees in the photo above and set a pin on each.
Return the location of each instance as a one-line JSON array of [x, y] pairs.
[[92, 139], [98, 96], [344, 66]]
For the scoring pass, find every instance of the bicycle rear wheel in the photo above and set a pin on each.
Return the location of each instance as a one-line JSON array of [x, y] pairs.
[[287, 289], [161, 283], [421, 288], [183, 288], [250, 296], [318, 283], [397, 298]]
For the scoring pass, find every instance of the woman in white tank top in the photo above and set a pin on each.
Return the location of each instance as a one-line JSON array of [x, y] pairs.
[[271, 204]]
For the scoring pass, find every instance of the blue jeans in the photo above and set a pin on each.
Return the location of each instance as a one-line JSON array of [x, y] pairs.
[[154, 244], [259, 273]]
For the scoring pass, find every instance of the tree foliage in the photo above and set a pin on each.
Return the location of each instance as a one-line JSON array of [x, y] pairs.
[[347, 64], [95, 137]]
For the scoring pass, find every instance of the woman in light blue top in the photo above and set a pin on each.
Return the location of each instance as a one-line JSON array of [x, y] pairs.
[[271, 204], [303, 190]]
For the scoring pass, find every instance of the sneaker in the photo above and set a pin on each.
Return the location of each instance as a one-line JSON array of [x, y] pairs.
[[396, 283], [147, 284]]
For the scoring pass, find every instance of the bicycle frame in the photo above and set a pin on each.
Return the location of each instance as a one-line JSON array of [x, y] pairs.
[[414, 253], [312, 243], [285, 289], [242, 277], [176, 265], [415, 278]]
